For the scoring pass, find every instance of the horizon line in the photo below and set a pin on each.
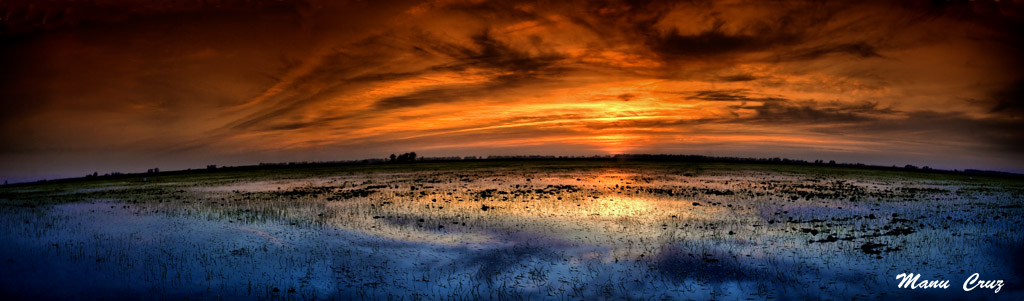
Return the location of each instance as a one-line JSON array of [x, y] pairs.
[[640, 157]]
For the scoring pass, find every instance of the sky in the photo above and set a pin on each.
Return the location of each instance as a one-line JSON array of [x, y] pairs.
[[115, 85]]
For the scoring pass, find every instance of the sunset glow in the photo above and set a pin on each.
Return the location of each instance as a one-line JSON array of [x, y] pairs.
[[115, 86]]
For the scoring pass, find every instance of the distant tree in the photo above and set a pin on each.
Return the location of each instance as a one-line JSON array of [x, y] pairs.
[[406, 157], [910, 167], [95, 174], [832, 162], [211, 166]]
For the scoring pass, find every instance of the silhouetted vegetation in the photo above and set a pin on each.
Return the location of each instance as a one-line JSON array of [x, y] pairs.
[[406, 157], [413, 157]]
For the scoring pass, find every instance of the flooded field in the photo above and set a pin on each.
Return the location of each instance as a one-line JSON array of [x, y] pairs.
[[515, 230]]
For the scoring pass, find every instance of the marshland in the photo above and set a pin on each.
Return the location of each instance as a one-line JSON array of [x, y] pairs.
[[530, 229]]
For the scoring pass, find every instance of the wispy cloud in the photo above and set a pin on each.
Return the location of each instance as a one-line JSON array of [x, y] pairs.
[[322, 80]]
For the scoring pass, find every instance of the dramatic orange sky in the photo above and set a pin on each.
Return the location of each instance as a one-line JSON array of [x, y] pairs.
[[118, 86]]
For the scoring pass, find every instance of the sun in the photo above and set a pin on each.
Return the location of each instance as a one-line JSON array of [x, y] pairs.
[[613, 144]]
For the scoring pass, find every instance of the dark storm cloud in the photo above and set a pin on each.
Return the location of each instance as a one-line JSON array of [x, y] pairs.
[[425, 97], [1010, 100], [511, 68], [495, 54], [738, 78], [716, 43], [713, 42], [860, 49], [730, 95], [812, 112], [488, 53], [791, 26]]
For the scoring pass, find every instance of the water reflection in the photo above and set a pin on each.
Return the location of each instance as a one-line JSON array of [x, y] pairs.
[[537, 231]]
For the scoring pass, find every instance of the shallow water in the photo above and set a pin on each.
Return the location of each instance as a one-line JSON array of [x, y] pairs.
[[524, 230]]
